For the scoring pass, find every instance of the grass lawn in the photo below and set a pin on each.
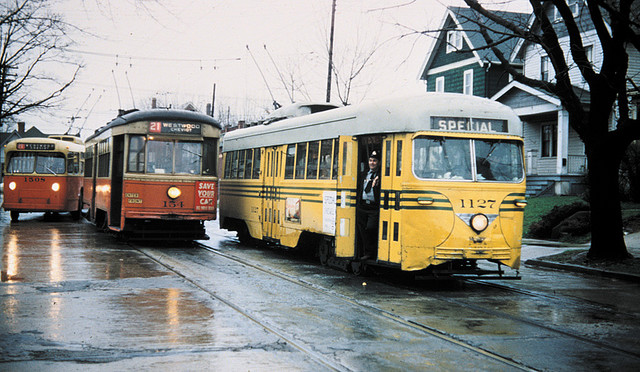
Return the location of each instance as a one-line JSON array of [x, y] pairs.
[[538, 208]]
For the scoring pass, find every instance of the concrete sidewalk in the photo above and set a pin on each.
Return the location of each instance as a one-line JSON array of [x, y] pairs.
[[533, 250]]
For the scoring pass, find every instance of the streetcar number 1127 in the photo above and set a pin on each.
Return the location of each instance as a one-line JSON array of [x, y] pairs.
[[479, 203]]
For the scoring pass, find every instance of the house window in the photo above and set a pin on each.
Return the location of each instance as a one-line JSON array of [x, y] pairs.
[[440, 84], [544, 68], [574, 5], [588, 50], [454, 41], [468, 82], [549, 140]]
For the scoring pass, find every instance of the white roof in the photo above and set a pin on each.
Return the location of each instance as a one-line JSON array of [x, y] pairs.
[[393, 115]]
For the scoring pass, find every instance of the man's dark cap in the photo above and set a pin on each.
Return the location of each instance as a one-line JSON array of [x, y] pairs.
[[375, 154]]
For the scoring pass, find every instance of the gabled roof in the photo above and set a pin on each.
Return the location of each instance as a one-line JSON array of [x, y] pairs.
[[526, 100], [7, 137], [583, 21], [467, 20]]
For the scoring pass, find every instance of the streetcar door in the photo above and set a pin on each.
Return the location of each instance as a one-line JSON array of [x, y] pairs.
[[94, 181], [270, 212], [346, 198], [117, 177], [389, 237]]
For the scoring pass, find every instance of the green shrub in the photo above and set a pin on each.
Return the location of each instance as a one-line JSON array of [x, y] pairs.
[[543, 228]]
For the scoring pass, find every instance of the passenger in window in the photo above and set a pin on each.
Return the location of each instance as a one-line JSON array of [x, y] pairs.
[[368, 209]]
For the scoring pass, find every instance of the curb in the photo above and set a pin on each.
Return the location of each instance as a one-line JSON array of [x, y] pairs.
[[551, 243], [585, 270]]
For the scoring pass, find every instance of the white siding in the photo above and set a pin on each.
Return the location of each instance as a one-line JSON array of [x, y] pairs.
[[576, 146], [534, 52]]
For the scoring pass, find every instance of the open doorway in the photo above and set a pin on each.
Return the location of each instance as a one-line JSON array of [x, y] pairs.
[[368, 198]]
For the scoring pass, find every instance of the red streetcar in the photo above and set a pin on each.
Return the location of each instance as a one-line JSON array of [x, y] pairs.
[[151, 175], [43, 175]]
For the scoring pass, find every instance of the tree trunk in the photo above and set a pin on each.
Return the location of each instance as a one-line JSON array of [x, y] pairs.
[[607, 237]]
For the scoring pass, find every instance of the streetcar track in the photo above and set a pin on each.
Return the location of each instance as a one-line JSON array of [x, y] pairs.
[[269, 328], [375, 310], [436, 332], [567, 299]]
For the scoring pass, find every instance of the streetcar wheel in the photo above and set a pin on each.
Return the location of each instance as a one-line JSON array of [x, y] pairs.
[[14, 216], [244, 236], [325, 251], [358, 268], [75, 215]]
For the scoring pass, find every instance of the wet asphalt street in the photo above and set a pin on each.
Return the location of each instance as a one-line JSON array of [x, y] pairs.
[[75, 299]]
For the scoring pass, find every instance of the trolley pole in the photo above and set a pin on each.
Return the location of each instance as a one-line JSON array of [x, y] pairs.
[[333, 19]]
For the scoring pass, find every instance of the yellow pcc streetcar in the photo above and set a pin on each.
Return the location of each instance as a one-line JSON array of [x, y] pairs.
[[452, 183]]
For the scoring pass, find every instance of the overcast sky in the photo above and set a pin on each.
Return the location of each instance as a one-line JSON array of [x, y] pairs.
[[176, 50]]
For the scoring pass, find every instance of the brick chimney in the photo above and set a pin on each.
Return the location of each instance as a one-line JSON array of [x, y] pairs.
[[21, 127], [154, 102]]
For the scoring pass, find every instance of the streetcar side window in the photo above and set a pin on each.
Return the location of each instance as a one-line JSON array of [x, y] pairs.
[[188, 157], [290, 161], [301, 158], [234, 165], [88, 162], [21, 162], [399, 158], [256, 164], [227, 165], [312, 161], [73, 163], [336, 150], [135, 162], [241, 158], [50, 163], [248, 168], [103, 158], [325, 159], [387, 160], [210, 157]]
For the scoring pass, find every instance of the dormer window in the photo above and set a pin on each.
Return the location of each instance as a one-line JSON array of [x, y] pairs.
[[574, 5], [454, 41]]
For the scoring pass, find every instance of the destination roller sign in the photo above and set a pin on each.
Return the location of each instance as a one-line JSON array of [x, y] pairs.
[[174, 128], [36, 146], [468, 125]]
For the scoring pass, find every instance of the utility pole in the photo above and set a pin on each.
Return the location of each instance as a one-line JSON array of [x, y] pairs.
[[213, 100], [333, 19]]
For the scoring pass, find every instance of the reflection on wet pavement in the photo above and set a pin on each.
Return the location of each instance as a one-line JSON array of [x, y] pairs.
[[72, 298], [164, 313]]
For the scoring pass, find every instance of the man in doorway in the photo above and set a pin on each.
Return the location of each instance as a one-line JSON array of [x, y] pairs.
[[368, 210]]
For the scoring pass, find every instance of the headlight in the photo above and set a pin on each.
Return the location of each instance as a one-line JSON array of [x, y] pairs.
[[173, 192], [55, 186], [12, 185], [479, 222]]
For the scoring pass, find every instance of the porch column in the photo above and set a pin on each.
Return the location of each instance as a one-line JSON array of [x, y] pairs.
[[563, 142], [562, 187]]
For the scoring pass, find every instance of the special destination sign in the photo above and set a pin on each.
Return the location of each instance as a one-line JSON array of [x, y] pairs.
[[36, 146], [468, 125], [174, 128]]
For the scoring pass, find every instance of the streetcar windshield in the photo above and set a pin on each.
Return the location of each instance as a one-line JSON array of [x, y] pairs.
[[160, 156], [445, 158], [41, 163]]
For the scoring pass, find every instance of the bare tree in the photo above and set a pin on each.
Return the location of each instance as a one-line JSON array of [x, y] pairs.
[[616, 26], [32, 40], [351, 57]]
